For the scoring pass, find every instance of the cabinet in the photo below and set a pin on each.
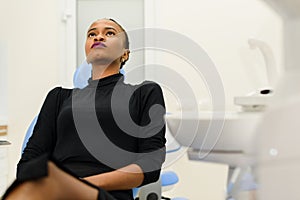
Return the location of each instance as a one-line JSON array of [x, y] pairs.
[[4, 145]]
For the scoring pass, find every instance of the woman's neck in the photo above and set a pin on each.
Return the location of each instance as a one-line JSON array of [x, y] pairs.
[[102, 71]]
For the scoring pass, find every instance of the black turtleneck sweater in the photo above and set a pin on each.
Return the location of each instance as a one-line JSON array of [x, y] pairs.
[[129, 129]]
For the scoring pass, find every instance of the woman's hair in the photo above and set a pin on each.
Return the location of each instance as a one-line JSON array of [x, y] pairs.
[[126, 44]]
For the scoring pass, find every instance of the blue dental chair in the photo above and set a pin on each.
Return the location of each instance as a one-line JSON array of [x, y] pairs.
[[147, 192]]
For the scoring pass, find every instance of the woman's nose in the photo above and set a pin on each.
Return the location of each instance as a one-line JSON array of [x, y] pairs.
[[99, 37]]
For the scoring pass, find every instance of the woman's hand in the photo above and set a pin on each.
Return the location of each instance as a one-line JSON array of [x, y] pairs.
[[92, 179]]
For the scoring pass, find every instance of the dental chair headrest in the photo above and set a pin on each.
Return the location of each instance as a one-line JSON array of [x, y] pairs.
[[82, 75]]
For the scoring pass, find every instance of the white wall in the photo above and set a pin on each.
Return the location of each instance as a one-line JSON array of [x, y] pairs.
[[29, 30], [223, 28], [3, 79]]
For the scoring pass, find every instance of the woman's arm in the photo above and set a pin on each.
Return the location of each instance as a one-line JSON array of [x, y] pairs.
[[152, 150], [124, 178], [43, 138]]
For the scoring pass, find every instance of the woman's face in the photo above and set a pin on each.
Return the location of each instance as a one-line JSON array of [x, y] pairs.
[[105, 43]]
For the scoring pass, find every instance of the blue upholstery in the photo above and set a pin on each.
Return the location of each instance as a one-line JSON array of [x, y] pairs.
[[168, 178], [179, 198], [135, 192], [82, 74], [29, 133]]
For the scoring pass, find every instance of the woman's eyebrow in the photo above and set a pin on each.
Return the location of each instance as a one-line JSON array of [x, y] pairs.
[[110, 27], [106, 28], [92, 29]]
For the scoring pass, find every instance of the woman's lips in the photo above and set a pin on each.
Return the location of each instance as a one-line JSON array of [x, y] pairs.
[[98, 45]]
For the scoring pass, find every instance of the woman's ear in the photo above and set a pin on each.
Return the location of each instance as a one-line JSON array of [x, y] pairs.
[[125, 56]]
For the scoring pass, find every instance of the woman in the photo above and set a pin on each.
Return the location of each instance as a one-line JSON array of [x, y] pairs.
[[61, 160]]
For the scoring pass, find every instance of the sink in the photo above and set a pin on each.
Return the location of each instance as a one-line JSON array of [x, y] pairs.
[[222, 137]]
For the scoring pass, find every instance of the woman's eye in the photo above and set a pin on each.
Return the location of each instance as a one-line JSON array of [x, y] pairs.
[[91, 35], [110, 33]]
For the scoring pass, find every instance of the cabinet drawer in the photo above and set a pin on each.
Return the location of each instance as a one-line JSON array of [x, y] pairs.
[[3, 152], [3, 184], [3, 168], [3, 161]]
